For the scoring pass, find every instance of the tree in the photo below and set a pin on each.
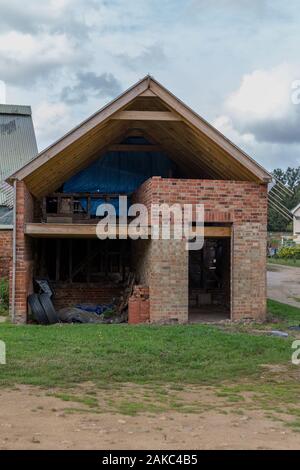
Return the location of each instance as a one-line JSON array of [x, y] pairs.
[[291, 179]]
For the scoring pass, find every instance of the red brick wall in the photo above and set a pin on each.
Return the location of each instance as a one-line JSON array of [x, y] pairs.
[[139, 306], [24, 253], [6, 237], [241, 203], [225, 201], [68, 295]]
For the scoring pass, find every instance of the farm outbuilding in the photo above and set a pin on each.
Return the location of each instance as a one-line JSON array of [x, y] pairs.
[[17, 147], [149, 146]]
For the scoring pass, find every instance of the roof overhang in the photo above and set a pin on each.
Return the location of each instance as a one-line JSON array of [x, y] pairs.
[[151, 109]]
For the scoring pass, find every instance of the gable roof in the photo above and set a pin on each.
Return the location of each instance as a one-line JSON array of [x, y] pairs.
[[151, 109], [17, 145]]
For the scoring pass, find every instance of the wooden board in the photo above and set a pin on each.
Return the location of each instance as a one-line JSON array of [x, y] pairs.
[[89, 231], [146, 116]]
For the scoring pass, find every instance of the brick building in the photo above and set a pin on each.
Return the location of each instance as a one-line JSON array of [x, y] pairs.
[[148, 145]]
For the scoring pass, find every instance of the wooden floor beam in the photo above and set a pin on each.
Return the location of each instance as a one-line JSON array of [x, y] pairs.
[[89, 231]]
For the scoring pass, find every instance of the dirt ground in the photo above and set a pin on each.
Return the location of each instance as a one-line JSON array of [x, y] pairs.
[[284, 284], [31, 419]]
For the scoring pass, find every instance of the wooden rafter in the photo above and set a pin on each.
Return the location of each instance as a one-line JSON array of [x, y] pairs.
[[180, 133]]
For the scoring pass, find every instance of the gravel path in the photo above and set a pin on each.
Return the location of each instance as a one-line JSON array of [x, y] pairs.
[[284, 284]]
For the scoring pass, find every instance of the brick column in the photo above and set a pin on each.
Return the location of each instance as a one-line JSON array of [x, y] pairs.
[[248, 288], [23, 262], [168, 281]]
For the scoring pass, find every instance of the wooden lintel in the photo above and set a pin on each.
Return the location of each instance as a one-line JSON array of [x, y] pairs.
[[146, 116], [134, 148], [217, 232], [52, 230]]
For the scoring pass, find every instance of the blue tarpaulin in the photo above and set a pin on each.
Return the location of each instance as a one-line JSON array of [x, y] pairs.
[[119, 173]]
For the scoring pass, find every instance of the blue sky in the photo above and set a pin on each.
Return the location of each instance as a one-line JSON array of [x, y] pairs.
[[233, 61]]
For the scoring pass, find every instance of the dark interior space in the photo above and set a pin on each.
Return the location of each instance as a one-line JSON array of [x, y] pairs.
[[209, 281], [88, 271], [82, 260]]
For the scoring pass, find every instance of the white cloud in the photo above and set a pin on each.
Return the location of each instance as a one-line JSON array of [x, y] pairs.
[[259, 116], [263, 94], [225, 125], [12, 14], [262, 106], [52, 120], [25, 57]]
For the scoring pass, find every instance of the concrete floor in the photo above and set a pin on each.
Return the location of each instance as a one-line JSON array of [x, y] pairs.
[[208, 314], [284, 284]]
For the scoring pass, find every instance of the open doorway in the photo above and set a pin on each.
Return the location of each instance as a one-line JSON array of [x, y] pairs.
[[209, 281]]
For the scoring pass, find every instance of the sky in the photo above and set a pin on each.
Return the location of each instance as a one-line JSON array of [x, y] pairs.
[[235, 62]]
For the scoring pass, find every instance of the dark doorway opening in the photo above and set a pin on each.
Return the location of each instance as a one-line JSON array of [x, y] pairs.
[[209, 281]]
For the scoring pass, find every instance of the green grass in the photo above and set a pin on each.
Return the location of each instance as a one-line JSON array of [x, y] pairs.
[[284, 262], [85, 400], [65, 355], [284, 312]]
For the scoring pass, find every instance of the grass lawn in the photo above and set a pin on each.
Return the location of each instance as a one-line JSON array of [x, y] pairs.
[[132, 369], [284, 262], [284, 312], [64, 355]]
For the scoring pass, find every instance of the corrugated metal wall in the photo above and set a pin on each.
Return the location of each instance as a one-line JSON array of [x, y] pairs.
[[17, 145]]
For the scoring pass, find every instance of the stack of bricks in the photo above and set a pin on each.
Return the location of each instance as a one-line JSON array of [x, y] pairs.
[[139, 306]]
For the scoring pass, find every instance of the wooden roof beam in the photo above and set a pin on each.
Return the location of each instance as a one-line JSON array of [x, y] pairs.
[[146, 116]]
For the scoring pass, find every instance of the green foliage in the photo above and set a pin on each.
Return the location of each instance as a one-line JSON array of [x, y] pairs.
[[289, 252], [291, 179], [4, 293], [295, 263]]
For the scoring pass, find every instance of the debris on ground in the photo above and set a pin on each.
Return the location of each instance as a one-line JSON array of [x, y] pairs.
[[77, 315], [282, 334], [44, 312]]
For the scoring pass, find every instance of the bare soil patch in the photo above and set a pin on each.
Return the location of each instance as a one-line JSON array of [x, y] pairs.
[[124, 417]]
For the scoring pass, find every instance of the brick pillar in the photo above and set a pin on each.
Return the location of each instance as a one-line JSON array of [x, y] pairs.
[[5, 252], [139, 306], [168, 281], [248, 290], [24, 262]]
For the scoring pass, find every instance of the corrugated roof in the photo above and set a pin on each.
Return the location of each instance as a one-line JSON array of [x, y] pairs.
[[17, 145], [15, 109]]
